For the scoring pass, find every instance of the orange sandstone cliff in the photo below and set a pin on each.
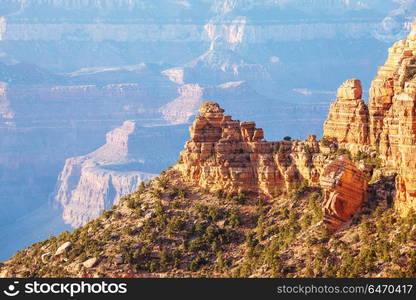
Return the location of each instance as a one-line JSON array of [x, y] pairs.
[[232, 156], [391, 130], [347, 120]]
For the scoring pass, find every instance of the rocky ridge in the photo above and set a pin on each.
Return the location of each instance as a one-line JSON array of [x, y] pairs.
[[228, 156], [217, 194], [169, 228]]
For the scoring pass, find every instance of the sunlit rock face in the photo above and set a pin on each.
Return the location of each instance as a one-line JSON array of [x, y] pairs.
[[345, 189], [391, 116], [392, 111], [232, 156], [347, 120]]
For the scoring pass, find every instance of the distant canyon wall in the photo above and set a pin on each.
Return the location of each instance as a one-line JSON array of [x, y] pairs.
[[249, 33], [90, 183], [236, 21]]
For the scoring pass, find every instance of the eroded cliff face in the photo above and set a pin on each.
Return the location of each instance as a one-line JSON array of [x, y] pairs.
[[20, 103], [183, 107], [101, 33], [95, 189], [397, 138], [232, 156], [220, 17], [391, 129], [91, 183]]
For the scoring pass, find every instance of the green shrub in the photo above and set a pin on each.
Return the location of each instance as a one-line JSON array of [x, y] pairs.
[[175, 224], [107, 213], [196, 263], [219, 194], [182, 193], [133, 203], [326, 142], [214, 212], [162, 182], [142, 187], [234, 219], [156, 193], [343, 151], [298, 190], [165, 258]]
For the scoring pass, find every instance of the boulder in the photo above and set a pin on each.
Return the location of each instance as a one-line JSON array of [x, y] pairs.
[[90, 263], [350, 90], [63, 248], [345, 190]]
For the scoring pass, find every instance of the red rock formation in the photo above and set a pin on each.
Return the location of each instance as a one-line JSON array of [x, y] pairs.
[[345, 190], [391, 118], [347, 120], [232, 156], [398, 145], [224, 154]]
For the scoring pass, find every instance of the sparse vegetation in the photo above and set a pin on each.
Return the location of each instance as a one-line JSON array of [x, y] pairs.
[[368, 159], [343, 151], [326, 142], [182, 231]]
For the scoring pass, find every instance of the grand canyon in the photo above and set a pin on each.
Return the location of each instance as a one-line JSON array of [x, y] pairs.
[[122, 137]]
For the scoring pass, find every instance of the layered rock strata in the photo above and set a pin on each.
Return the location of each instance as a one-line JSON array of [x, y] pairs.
[[391, 118], [347, 121], [232, 156], [90, 183], [345, 190], [229, 155]]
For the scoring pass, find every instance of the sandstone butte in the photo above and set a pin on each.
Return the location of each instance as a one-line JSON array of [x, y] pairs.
[[232, 156]]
